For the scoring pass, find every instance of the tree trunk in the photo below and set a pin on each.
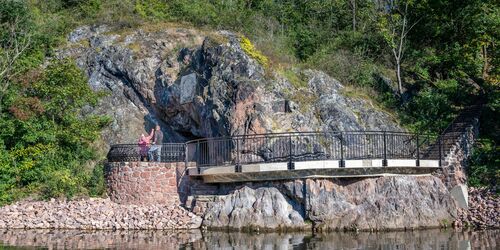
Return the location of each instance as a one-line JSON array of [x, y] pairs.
[[486, 65], [398, 73]]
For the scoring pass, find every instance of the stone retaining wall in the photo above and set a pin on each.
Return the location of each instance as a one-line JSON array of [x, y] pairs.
[[143, 183], [455, 162]]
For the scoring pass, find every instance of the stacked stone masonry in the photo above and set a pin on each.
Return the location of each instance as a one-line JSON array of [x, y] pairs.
[[144, 183], [453, 168], [157, 183]]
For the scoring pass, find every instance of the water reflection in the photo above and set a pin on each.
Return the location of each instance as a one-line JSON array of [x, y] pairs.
[[73, 239]]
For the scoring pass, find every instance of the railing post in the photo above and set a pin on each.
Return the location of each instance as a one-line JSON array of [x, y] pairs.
[[418, 154], [342, 162], [384, 161], [291, 166], [198, 156], [439, 149], [237, 167], [186, 152]]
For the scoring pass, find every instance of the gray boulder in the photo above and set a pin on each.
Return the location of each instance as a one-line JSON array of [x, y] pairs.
[[265, 208]]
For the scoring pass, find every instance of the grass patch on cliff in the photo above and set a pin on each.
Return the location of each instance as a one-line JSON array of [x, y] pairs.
[[295, 77], [356, 92], [216, 39], [370, 97], [134, 47], [305, 99]]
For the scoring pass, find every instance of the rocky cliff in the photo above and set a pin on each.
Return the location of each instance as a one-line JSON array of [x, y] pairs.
[[400, 202], [203, 84]]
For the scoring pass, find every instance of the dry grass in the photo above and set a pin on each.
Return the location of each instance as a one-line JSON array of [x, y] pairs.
[[366, 94]]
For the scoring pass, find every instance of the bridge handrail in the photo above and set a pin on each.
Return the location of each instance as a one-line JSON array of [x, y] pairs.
[[290, 147], [306, 132], [165, 152], [308, 146]]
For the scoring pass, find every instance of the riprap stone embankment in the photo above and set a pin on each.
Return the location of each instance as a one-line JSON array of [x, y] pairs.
[[483, 211], [95, 213]]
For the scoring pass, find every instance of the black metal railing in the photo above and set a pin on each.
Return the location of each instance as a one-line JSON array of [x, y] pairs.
[[311, 146], [167, 152], [290, 148]]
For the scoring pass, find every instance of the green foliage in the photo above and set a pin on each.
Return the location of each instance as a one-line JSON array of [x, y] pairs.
[[13, 12], [429, 111], [91, 8], [95, 183], [152, 9], [198, 12], [48, 135], [484, 167], [347, 67]]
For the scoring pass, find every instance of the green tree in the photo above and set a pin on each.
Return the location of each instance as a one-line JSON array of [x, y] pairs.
[[50, 135], [15, 39], [395, 25]]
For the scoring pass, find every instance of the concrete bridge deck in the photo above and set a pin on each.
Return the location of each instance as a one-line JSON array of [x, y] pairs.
[[309, 169]]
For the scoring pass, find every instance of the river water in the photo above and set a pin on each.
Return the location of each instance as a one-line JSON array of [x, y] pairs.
[[73, 239]]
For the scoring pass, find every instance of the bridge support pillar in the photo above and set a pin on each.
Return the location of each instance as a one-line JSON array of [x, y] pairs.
[[145, 183]]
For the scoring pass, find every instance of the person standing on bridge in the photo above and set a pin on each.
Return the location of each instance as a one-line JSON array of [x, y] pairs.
[[156, 145], [144, 145]]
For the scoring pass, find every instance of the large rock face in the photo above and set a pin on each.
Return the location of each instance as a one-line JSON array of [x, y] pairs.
[[380, 203], [399, 202], [254, 208], [199, 84]]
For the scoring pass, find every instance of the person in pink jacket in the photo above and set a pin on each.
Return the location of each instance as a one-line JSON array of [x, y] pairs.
[[144, 142]]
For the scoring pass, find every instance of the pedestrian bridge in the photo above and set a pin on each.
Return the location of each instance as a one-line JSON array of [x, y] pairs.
[[277, 156]]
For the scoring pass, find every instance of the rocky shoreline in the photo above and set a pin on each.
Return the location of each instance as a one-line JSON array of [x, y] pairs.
[[95, 213], [483, 212], [103, 214]]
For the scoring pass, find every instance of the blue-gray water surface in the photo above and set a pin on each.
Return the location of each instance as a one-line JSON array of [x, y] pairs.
[[79, 239]]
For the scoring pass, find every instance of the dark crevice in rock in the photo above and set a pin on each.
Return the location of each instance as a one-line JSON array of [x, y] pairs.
[[134, 95]]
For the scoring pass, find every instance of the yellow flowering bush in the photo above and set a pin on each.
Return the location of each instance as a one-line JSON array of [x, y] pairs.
[[251, 51]]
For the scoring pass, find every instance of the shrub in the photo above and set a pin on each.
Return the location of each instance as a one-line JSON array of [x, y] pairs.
[[152, 9], [484, 167], [429, 111], [96, 185], [251, 51]]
